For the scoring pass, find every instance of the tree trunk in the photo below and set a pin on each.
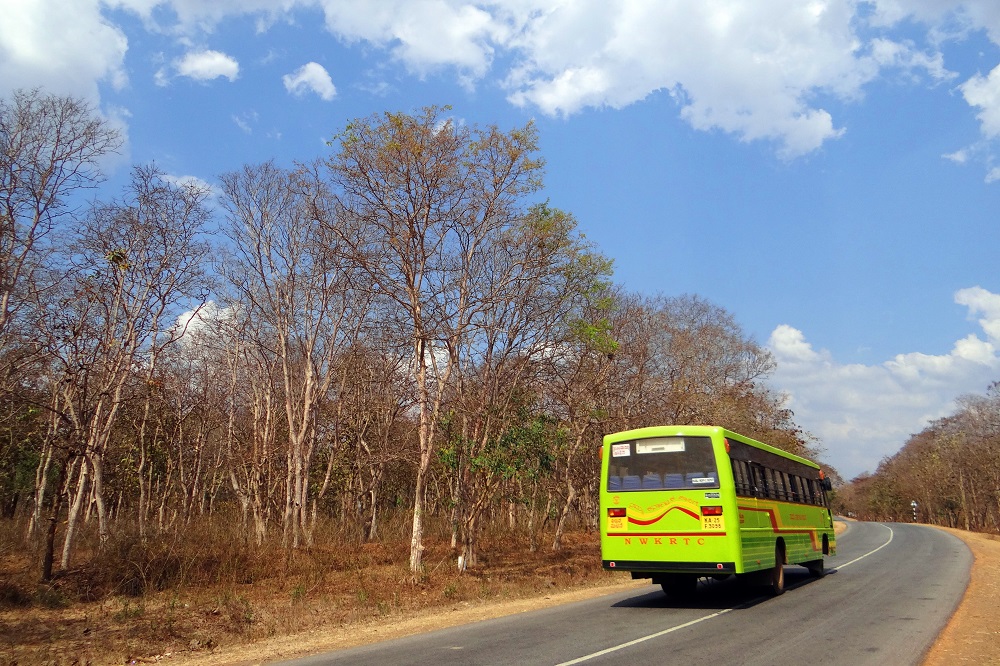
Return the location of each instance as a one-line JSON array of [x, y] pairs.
[[74, 511], [62, 487], [561, 523], [41, 478], [96, 461], [417, 533], [570, 492]]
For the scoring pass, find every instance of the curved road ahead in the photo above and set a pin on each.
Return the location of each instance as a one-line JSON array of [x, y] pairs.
[[886, 595]]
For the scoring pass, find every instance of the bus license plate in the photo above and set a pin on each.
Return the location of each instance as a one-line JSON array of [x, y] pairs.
[[713, 523]]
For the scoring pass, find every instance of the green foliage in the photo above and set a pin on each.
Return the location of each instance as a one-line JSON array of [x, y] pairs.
[[20, 452], [118, 259], [526, 450], [587, 271], [596, 334], [51, 596]]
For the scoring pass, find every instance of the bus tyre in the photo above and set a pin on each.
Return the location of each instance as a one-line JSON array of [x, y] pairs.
[[777, 582], [816, 568], [679, 586]]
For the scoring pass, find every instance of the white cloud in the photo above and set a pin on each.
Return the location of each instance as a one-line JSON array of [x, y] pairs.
[[771, 71], [207, 65], [958, 157], [903, 56], [983, 93], [424, 34], [947, 19], [68, 48], [955, 20], [193, 182], [186, 17], [980, 301], [311, 77], [194, 324], [749, 69], [246, 121], [862, 413]]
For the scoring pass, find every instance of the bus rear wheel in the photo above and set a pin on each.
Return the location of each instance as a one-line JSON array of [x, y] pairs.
[[777, 579], [816, 567], [680, 586]]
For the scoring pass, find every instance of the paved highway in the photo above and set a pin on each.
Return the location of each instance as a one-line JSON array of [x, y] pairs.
[[886, 596]]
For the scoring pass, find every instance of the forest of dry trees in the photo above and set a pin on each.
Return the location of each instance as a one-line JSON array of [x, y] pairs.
[[399, 339], [951, 470]]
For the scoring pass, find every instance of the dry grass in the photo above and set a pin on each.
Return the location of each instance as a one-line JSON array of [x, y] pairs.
[[190, 594]]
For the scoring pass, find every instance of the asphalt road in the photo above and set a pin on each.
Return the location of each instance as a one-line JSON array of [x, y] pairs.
[[887, 594]]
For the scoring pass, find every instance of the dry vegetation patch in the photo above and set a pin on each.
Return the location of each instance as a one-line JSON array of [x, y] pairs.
[[339, 596]]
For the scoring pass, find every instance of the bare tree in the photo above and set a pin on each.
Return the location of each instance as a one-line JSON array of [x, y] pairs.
[[375, 393], [50, 148], [951, 469], [421, 198], [135, 267], [288, 270], [539, 275], [253, 418], [580, 378]]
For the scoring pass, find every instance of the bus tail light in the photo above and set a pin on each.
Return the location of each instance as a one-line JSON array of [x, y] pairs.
[[616, 512], [711, 510]]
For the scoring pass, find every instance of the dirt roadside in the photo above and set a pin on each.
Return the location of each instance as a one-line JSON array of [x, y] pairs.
[[972, 636], [325, 640]]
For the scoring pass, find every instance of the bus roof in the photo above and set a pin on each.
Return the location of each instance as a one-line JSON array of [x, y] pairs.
[[703, 431]]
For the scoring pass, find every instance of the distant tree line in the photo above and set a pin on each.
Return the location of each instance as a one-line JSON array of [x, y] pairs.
[[951, 469], [399, 328]]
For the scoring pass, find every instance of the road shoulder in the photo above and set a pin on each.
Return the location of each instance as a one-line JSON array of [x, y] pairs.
[[972, 635]]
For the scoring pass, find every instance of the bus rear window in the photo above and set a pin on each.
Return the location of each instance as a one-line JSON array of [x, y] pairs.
[[662, 463]]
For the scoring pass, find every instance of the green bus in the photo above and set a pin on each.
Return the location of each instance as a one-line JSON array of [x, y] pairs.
[[683, 502]]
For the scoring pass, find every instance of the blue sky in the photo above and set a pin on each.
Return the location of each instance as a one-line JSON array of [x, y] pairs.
[[827, 171]]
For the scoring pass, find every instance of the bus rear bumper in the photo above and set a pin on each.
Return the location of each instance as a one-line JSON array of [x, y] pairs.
[[641, 569]]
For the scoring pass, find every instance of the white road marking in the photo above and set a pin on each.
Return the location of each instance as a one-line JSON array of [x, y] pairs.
[[857, 559], [642, 639]]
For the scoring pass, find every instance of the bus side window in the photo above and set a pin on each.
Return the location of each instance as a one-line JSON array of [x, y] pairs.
[[759, 486], [817, 492], [772, 487], [796, 488], [741, 477], [786, 485], [747, 478]]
